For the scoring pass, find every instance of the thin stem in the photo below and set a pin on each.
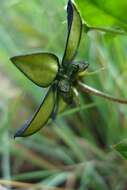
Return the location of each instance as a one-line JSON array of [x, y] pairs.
[[104, 29], [89, 73], [87, 89], [111, 30]]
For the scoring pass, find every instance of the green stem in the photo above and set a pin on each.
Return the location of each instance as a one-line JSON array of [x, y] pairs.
[[104, 29]]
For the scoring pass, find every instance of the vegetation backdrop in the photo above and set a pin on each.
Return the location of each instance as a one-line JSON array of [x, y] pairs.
[[76, 151]]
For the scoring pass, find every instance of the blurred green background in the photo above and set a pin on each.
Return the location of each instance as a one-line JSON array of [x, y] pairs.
[[75, 152]]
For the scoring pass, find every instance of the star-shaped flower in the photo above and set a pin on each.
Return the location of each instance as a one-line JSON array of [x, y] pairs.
[[62, 79]]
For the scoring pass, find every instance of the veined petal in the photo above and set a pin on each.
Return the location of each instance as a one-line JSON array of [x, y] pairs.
[[40, 68], [41, 116], [74, 33], [60, 106]]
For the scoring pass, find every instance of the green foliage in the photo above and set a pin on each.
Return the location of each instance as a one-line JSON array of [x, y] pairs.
[[122, 148], [106, 13]]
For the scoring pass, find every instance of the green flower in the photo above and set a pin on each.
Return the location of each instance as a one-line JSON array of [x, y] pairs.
[[62, 78], [45, 70]]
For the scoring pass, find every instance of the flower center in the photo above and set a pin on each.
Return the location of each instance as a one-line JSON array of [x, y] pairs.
[[66, 79]]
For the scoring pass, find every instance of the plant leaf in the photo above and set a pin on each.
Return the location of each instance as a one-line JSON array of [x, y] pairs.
[[74, 33], [105, 13], [122, 148], [40, 118], [41, 68]]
